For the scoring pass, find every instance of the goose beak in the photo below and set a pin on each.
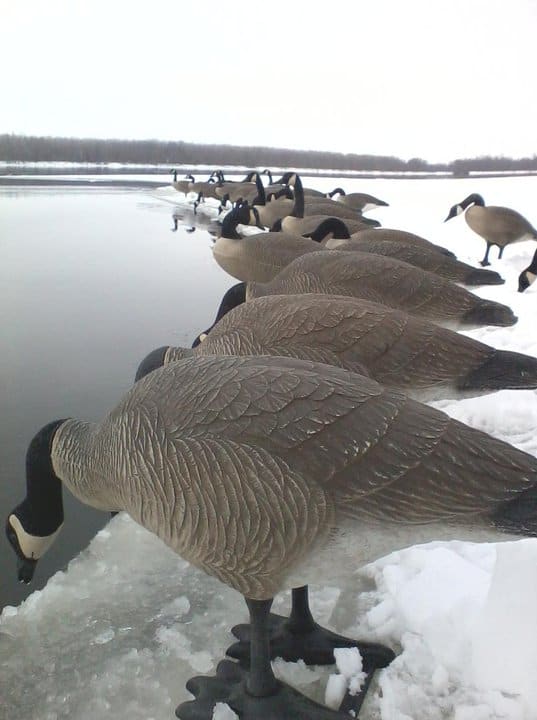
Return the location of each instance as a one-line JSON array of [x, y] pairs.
[[452, 213], [25, 569]]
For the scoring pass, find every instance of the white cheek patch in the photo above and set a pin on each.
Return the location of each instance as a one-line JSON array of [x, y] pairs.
[[531, 277], [32, 546], [459, 209], [331, 243], [203, 337]]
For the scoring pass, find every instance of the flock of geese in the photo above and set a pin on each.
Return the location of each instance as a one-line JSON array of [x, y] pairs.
[[292, 441]]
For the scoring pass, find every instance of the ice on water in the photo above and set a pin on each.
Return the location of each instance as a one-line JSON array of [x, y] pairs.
[[120, 632]]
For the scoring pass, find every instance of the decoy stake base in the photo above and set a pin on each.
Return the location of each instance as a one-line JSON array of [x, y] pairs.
[[229, 686], [315, 647]]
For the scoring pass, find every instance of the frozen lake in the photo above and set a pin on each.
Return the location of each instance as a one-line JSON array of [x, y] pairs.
[[91, 281]]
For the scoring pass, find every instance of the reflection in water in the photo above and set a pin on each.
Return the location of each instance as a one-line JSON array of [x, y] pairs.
[[190, 221], [90, 282]]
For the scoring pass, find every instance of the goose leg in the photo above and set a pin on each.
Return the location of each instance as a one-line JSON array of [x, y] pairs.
[[501, 248], [300, 637], [485, 260], [253, 694]]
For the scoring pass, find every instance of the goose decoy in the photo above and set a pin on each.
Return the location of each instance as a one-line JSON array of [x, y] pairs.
[[323, 207], [271, 473], [299, 221], [527, 277], [401, 236], [357, 201], [182, 186], [419, 358], [419, 256], [387, 281], [260, 256], [497, 225], [250, 190]]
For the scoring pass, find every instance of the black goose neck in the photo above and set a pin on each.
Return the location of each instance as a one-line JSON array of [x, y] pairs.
[[41, 512], [236, 295], [473, 199], [331, 226], [238, 215], [298, 190]]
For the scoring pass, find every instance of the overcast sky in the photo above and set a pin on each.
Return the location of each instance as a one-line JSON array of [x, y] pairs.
[[437, 79]]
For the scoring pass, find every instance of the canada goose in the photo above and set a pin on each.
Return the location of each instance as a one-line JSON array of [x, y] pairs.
[[270, 473], [417, 357], [527, 276], [323, 206], [387, 281], [497, 225], [401, 236], [357, 201], [268, 212], [205, 189], [249, 189], [256, 257], [301, 218], [182, 186], [421, 257]]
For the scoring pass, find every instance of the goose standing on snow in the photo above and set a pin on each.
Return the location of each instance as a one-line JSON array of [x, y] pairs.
[[497, 225], [388, 281], [268, 474], [419, 358]]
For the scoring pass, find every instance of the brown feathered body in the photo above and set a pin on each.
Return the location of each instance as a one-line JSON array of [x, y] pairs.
[[269, 473]]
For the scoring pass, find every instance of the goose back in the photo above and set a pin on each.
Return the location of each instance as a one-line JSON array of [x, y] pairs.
[[422, 257], [422, 359], [387, 281], [401, 236]]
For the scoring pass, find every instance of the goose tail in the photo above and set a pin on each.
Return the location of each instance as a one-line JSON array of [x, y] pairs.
[[488, 312], [503, 370], [480, 276], [519, 515]]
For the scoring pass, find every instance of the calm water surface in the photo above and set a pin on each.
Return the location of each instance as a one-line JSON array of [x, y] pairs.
[[90, 281]]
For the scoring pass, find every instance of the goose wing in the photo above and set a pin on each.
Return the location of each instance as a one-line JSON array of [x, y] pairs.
[[394, 348], [372, 277]]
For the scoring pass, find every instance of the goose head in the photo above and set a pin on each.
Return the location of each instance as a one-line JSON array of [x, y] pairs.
[[336, 191], [174, 171], [473, 199], [528, 276], [32, 526]]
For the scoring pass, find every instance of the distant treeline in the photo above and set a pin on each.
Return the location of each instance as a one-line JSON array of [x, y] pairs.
[[22, 148]]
